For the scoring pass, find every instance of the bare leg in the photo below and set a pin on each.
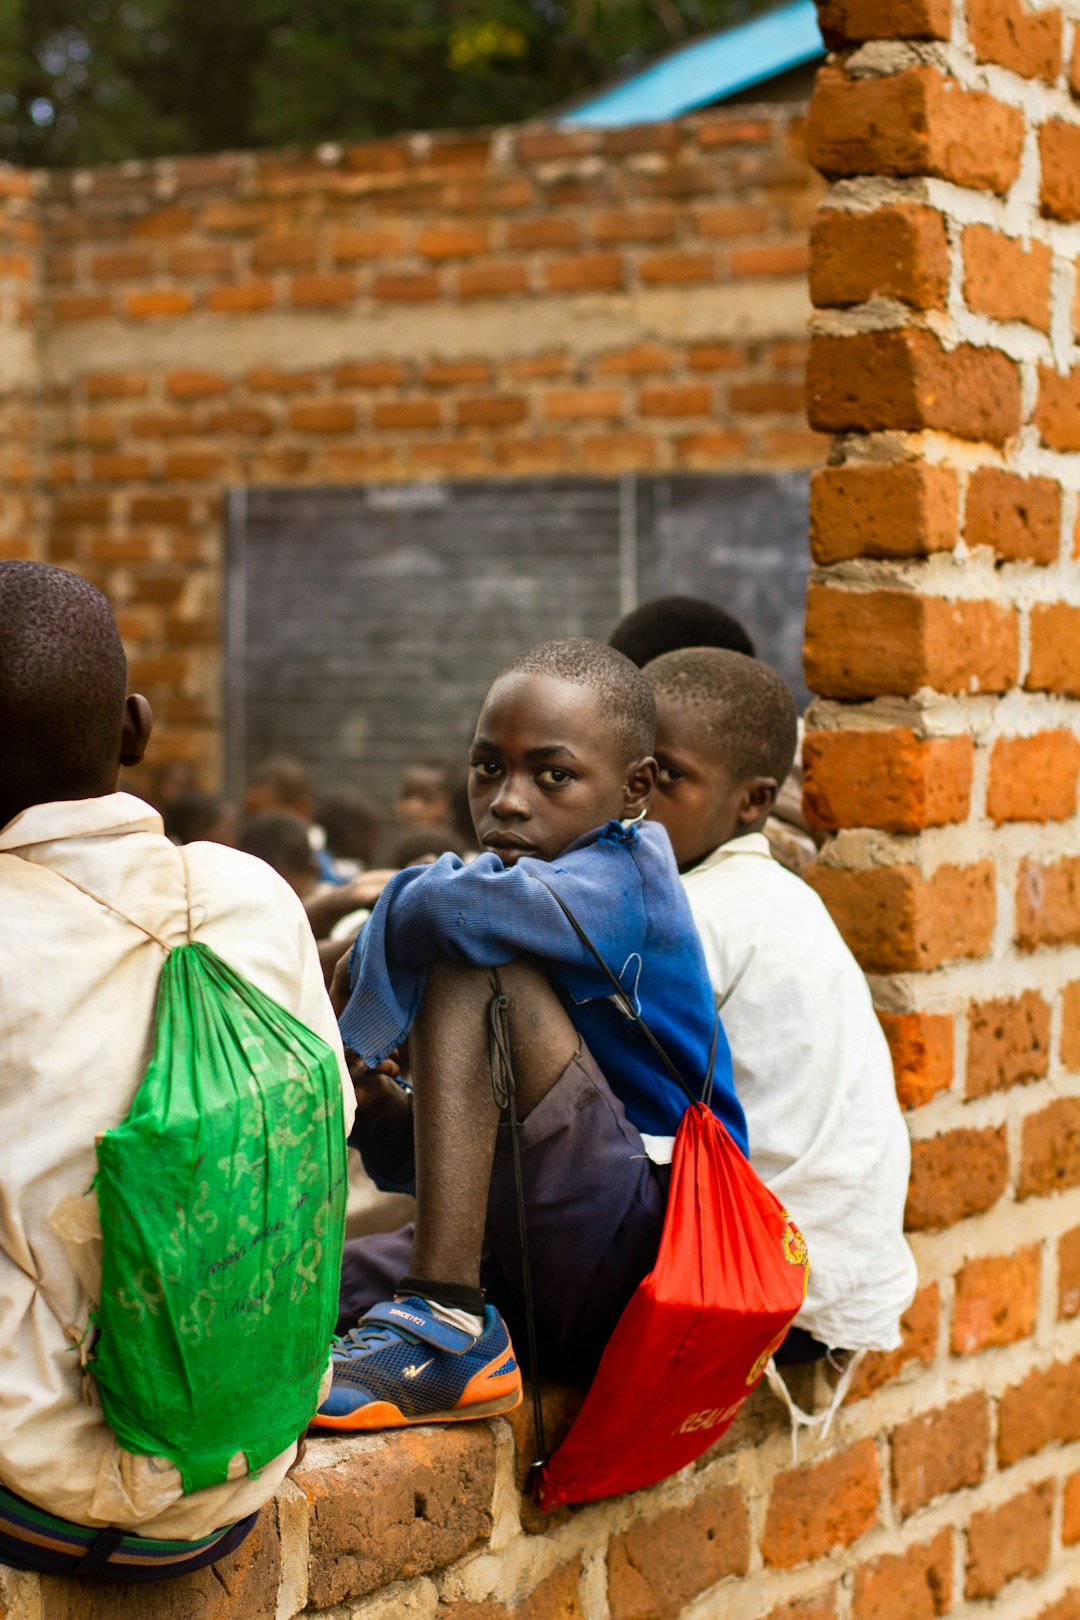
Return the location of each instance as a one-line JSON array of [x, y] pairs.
[[455, 1114]]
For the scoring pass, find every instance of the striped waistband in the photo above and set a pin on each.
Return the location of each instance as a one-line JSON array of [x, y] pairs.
[[32, 1526]]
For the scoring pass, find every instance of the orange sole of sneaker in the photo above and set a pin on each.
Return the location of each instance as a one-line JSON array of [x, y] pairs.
[[385, 1415]]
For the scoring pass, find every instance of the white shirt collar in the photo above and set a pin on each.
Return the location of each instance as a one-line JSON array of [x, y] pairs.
[[79, 818], [748, 844]]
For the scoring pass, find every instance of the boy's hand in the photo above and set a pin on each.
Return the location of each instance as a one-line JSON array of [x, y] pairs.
[[365, 889], [327, 906], [340, 989], [382, 1102]]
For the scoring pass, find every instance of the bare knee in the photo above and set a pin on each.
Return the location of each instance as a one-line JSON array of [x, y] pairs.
[[521, 980], [456, 978], [454, 1019], [457, 996]]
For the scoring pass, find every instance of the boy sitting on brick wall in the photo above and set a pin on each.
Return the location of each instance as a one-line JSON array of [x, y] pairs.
[[561, 770], [811, 1065]]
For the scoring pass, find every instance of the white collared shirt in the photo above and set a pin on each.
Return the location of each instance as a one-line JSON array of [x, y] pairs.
[[813, 1073], [77, 1000]]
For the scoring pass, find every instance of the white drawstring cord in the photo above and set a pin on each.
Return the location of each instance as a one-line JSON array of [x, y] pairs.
[[811, 1420]]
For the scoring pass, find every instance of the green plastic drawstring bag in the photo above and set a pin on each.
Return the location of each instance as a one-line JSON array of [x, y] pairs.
[[222, 1203]]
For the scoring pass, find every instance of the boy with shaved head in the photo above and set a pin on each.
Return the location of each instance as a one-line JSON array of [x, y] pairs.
[[92, 895], [561, 771], [810, 1061]]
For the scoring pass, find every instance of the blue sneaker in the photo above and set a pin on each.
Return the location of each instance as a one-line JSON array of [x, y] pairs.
[[400, 1365]]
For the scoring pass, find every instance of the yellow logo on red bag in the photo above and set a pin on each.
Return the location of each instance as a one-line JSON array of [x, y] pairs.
[[793, 1244]]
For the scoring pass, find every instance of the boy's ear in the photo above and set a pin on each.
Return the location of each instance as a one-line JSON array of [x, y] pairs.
[[638, 785], [758, 799], [135, 735]]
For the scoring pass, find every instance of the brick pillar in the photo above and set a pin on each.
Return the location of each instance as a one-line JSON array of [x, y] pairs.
[[21, 510], [943, 636]]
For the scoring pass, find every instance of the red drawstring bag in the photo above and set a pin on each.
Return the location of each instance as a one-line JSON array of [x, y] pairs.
[[729, 1278], [694, 1340]]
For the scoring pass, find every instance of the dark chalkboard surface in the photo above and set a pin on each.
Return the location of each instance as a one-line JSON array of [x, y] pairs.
[[365, 624], [742, 542]]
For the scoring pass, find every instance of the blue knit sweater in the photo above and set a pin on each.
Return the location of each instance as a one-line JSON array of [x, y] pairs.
[[622, 884]]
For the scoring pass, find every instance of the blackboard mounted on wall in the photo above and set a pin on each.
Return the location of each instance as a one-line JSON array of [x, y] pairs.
[[363, 625]]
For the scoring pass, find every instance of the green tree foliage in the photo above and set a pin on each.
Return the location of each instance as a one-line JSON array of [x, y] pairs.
[[89, 81]]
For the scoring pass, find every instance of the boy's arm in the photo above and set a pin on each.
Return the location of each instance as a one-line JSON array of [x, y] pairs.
[[486, 914], [382, 1131]]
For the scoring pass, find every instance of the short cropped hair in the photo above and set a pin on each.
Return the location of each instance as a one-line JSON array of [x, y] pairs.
[[288, 779], [63, 680], [623, 695], [194, 815], [279, 839], [746, 710], [351, 823], [668, 623], [435, 839]]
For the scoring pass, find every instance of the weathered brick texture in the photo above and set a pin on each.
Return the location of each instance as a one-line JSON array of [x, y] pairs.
[[996, 1299], [916, 1584], [890, 779], [898, 252], [1041, 1410], [919, 1327], [1008, 1043], [954, 1175], [943, 755], [1010, 1540], [939, 1452], [657, 1566], [1013, 34], [895, 920], [915, 122], [1018, 518], [846, 22], [906, 379], [901, 509], [923, 1054], [830, 1504], [22, 501]]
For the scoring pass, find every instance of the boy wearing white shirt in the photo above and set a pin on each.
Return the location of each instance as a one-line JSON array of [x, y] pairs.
[[92, 896], [811, 1066]]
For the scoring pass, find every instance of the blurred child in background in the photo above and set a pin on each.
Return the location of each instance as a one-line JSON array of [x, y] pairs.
[[424, 798], [202, 817], [352, 825], [283, 785], [281, 840]]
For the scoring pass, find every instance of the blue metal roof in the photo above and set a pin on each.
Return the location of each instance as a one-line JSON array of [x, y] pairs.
[[707, 70]]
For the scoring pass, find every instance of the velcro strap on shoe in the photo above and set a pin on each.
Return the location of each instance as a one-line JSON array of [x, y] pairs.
[[412, 1316]]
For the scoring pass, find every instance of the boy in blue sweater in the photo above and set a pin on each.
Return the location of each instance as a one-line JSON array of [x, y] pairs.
[[561, 773]]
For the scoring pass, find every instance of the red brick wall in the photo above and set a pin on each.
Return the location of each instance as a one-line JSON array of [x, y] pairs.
[[944, 751], [525, 302], [22, 509]]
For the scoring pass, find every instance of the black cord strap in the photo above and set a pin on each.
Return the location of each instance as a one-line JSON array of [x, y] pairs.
[[504, 1090]]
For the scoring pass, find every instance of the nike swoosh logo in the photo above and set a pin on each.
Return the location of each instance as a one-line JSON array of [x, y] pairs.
[[414, 1372]]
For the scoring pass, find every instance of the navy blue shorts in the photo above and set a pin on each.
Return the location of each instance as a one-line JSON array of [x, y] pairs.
[[594, 1207]]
